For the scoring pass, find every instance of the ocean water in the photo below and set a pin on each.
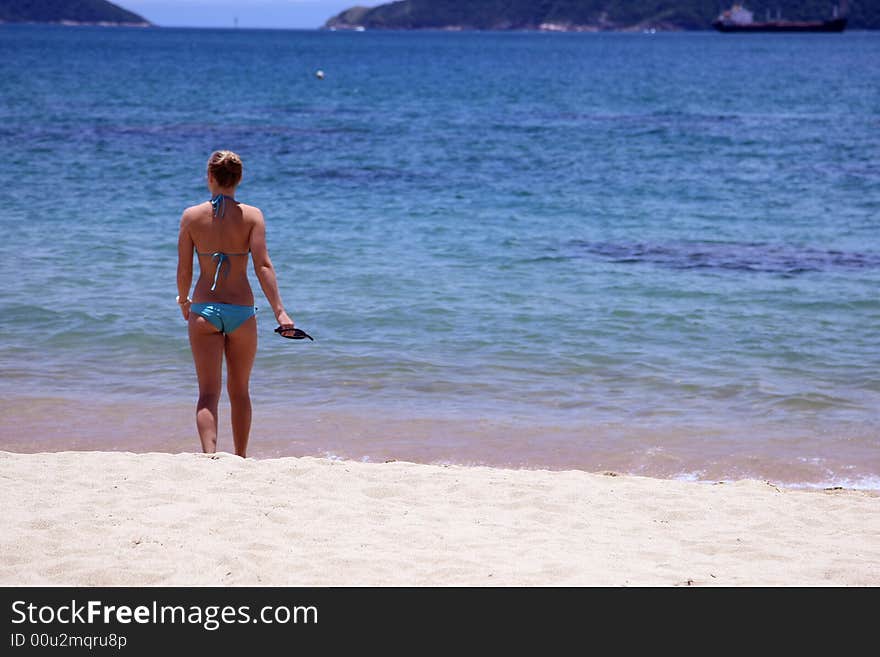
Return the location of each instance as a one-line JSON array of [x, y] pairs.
[[654, 254]]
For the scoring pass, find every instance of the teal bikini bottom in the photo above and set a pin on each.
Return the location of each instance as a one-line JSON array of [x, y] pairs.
[[225, 316]]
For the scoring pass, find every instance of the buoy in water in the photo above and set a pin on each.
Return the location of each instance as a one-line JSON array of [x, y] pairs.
[[319, 74]]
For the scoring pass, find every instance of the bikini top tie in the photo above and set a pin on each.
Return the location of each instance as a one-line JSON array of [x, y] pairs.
[[218, 209], [218, 205]]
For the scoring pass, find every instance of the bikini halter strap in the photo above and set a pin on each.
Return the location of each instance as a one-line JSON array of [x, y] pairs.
[[218, 205]]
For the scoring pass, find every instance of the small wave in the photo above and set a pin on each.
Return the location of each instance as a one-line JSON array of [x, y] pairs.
[[867, 482], [690, 476], [735, 256], [812, 401], [542, 259], [366, 174]]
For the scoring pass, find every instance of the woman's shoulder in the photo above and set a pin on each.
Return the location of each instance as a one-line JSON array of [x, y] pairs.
[[251, 212], [195, 210]]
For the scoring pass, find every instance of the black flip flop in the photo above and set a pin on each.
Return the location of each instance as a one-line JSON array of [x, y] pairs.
[[298, 334]]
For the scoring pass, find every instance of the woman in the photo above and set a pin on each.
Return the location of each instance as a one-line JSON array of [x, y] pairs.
[[221, 313]]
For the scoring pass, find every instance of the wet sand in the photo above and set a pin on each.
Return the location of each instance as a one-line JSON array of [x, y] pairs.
[[378, 434]]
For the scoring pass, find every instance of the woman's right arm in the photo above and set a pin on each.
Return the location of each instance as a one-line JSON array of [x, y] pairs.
[[265, 271], [184, 265]]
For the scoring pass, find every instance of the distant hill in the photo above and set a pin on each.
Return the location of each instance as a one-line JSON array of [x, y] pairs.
[[584, 15], [67, 11]]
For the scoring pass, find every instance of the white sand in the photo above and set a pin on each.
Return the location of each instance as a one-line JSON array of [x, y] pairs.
[[99, 518]]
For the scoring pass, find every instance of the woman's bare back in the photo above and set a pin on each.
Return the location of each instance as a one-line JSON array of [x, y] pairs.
[[223, 246]]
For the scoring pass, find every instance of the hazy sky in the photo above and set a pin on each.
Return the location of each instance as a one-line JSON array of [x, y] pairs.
[[250, 13]]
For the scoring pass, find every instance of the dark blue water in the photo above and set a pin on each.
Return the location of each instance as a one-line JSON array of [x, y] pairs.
[[652, 252]]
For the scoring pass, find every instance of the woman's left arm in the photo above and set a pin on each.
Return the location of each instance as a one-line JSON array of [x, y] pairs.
[[184, 265]]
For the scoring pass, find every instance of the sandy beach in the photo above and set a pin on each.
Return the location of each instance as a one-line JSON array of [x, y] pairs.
[[114, 518]]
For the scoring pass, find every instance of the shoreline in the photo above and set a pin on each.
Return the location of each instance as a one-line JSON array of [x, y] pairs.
[[68, 23], [465, 438], [547, 28], [116, 518]]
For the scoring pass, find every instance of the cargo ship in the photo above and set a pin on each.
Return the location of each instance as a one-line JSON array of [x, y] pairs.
[[740, 19]]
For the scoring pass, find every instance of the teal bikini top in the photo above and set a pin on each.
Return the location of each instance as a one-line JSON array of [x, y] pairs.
[[218, 209]]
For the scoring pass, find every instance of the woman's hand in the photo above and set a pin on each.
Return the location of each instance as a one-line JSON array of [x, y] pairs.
[[284, 320], [184, 308]]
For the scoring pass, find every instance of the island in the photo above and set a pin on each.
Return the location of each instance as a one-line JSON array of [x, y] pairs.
[[576, 15], [69, 12]]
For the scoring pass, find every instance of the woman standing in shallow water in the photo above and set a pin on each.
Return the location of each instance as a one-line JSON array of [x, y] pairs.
[[221, 313]]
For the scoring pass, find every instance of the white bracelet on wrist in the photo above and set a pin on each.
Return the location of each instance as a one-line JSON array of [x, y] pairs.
[[179, 302]]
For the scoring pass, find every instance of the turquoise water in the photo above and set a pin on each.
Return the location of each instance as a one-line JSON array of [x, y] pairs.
[[653, 253]]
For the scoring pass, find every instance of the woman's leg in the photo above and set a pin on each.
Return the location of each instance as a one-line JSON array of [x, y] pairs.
[[207, 349], [241, 349]]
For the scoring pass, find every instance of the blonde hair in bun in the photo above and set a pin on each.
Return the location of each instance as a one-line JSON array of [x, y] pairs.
[[225, 167]]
